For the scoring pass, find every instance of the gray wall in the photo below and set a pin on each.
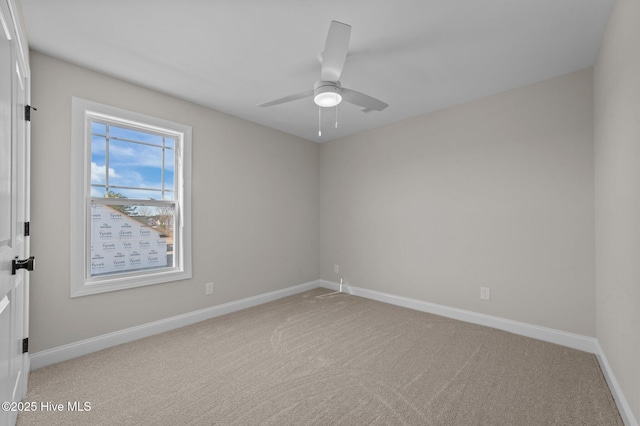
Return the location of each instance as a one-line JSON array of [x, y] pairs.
[[617, 183], [497, 192], [255, 209]]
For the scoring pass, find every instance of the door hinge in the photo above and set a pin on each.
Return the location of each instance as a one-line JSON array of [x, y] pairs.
[[25, 345], [26, 229], [27, 112]]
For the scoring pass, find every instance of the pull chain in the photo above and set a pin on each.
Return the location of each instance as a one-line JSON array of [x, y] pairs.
[[336, 116], [319, 121]]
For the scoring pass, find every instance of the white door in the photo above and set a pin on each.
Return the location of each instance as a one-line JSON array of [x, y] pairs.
[[14, 212]]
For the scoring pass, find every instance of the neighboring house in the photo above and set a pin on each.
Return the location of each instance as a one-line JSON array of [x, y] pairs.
[[122, 243]]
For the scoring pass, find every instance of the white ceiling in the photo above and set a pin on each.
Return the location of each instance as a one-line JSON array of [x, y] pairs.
[[230, 55]]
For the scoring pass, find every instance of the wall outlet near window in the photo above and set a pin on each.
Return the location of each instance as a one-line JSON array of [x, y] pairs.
[[208, 289], [485, 293], [336, 269]]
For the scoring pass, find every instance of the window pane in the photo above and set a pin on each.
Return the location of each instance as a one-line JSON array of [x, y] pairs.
[[169, 166], [135, 165], [98, 191], [98, 159], [170, 143], [134, 135], [98, 128], [130, 238]]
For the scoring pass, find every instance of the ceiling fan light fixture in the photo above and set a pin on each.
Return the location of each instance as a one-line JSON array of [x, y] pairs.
[[327, 94], [327, 99]]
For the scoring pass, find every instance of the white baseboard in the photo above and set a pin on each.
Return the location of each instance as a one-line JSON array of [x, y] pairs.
[[83, 347], [623, 406]]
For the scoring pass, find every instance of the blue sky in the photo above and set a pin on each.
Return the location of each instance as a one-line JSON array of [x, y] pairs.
[[131, 164]]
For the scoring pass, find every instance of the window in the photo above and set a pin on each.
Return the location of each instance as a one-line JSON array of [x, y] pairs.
[[130, 217]]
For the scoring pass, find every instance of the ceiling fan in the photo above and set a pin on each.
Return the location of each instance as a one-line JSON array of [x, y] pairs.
[[328, 92]]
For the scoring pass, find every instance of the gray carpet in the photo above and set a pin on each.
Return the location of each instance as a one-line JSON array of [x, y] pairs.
[[336, 359]]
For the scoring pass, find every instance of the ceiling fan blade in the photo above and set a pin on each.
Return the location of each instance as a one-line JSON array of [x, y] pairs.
[[305, 94], [335, 51], [365, 101]]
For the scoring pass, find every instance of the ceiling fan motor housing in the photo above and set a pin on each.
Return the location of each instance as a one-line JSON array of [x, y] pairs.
[[327, 93]]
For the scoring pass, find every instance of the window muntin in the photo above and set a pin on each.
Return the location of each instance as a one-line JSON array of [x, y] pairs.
[[134, 199]]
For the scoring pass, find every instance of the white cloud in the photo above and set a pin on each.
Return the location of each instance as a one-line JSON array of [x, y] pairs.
[[98, 174]]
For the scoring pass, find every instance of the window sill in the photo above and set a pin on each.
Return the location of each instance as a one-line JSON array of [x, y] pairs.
[[124, 283]]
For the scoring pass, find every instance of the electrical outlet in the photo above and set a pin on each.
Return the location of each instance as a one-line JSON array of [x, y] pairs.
[[485, 293], [208, 289], [336, 269]]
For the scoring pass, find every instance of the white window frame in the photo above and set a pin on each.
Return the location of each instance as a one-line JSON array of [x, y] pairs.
[[81, 282]]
